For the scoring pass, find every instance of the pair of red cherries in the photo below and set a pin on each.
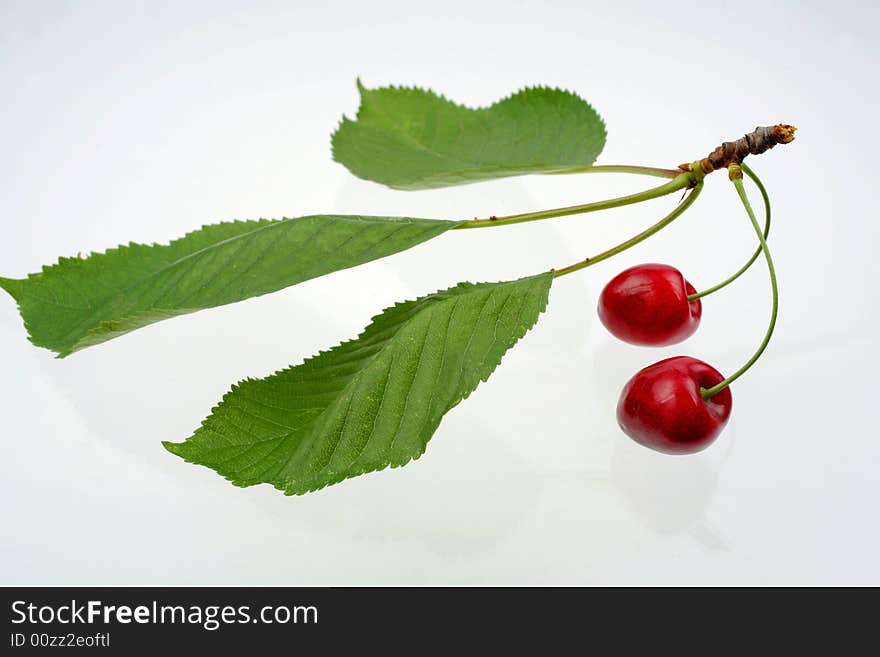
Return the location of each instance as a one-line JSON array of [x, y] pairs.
[[662, 406]]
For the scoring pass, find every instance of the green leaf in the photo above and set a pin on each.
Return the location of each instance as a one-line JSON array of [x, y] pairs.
[[410, 138], [370, 402], [81, 302]]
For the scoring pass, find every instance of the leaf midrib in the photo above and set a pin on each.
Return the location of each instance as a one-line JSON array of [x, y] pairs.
[[99, 312], [309, 433], [474, 111]]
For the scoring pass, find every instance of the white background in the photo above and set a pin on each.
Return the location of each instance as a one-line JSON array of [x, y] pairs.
[[142, 120]]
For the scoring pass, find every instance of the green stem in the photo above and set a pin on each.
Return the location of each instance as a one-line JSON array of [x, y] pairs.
[[619, 168], [740, 189], [681, 181], [751, 261], [623, 246]]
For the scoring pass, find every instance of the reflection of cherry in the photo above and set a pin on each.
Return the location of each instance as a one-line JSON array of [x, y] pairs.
[[662, 406], [648, 305], [677, 495]]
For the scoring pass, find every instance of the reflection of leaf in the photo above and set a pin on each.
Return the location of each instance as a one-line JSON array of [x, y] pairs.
[[410, 138], [84, 301], [371, 402]]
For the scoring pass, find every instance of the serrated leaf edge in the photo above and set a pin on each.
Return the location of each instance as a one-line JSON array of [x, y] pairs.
[[479, 108], [174, 448]]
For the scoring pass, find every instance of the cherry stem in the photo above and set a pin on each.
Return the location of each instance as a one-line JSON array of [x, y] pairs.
[[619, 168], [682, 180], [736, 177], [704, 293], [623, 246]]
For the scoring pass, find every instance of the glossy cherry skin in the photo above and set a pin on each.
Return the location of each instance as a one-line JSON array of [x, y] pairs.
[[661, 406], [648, 305]]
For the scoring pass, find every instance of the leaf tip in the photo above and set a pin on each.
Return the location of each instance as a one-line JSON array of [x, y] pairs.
[[174, 448], [10, 285]]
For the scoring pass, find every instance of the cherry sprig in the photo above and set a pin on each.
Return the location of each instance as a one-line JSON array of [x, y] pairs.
[[678, 405]]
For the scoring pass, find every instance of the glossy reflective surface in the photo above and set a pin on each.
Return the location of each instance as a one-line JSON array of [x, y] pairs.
[[140, 121]]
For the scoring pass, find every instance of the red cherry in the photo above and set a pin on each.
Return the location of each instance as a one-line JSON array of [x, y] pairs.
[[648, 305], [661, 406]]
